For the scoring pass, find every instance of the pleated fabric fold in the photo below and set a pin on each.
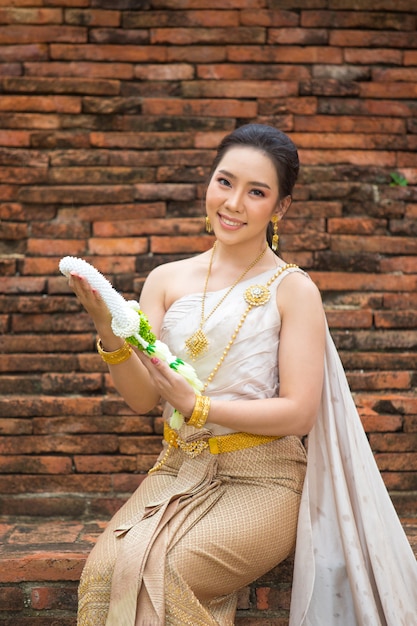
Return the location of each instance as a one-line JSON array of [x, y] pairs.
[[139, 574]]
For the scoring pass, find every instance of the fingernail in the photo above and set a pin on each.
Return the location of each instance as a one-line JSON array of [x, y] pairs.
[[154, 360]]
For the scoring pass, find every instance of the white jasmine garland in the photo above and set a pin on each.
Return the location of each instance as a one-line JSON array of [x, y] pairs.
[[130, 323]]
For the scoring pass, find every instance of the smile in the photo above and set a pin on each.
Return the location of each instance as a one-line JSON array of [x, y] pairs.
[[228, 222]]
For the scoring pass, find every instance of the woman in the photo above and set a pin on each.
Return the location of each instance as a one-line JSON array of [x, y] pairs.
[[221, 505]]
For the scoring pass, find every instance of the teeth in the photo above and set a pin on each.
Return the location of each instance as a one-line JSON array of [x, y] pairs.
[[230, 223]]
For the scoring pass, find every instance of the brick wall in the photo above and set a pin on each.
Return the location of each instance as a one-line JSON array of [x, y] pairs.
[[109, 116]]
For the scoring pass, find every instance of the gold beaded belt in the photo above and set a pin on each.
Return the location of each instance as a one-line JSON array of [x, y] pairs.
[[216, 445]]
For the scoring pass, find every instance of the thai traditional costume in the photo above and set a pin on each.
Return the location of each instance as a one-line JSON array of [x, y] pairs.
[[213, 516]]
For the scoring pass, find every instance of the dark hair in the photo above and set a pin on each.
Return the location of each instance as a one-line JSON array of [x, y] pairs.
[[273, 143]]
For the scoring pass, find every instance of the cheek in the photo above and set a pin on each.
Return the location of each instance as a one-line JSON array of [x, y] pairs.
[[213, 196]]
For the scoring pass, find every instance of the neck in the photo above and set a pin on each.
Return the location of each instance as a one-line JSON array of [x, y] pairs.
[[238, 255]]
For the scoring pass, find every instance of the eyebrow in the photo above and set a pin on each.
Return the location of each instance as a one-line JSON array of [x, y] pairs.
[[255, 183]]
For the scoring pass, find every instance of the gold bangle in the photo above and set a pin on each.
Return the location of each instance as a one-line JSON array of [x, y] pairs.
[[200, 412], [117, 356]]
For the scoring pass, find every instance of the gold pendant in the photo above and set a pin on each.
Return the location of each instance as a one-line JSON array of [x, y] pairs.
[[196, 344], [256, 295]]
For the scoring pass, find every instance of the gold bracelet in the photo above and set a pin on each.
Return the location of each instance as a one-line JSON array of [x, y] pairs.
[[117, 356], [200, 412]]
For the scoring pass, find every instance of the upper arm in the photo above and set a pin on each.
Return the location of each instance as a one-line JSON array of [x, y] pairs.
[[302, 344], [153, 297]]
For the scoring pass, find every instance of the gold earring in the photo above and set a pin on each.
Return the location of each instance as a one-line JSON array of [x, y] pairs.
[[209, 227], [275, 237]]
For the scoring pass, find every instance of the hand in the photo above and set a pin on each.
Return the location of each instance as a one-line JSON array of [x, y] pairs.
[[92, 302], [171, 386]]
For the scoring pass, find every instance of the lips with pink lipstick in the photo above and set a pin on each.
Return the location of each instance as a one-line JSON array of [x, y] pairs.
[[229, 223]]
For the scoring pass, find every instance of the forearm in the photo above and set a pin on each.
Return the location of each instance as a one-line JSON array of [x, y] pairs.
[[130, 377], [269, 416]]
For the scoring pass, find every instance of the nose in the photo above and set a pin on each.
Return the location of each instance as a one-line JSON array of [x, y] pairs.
[[234, 200]]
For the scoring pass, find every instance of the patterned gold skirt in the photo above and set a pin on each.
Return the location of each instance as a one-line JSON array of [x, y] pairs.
[[194, 533]]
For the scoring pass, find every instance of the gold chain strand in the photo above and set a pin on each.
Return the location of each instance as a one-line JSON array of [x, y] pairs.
[[252, 303], [257, 295], [198, 342]]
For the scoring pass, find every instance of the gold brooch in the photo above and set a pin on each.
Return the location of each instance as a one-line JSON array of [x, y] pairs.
[[256, 295], [192, 448]]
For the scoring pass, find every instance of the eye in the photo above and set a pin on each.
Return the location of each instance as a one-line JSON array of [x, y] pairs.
[[223, 181], [257, 192]]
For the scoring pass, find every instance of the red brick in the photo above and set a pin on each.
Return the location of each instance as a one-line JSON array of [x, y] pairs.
[[22, 285], [353, 157], [396, 319], [220, 108], [160, 245], [53, 598], [64, 85], [109, 53], [269, 18], [29, 52], [109, 422], [121, 245], [350, 124], [189, 18], [236, 71], [11, 599], [349, 319], [79, 195], [285, 54], [141, 140], [410, 57], [40, 567], [365, 56], [371, 39], [92, 17], [374, 422], [379, 380], [390, 245], [66, 444], [298, 36], [145, 227], [24, 406], [9, 426], [388, 90], [121, 71], [18, 34], [165, 191], [31, 16], [35, 465], [392, 462], [239, 89], [357, 19], [16, 138], [51, 506], [191, 36], [104, 464], [375, 282], [167, 71]]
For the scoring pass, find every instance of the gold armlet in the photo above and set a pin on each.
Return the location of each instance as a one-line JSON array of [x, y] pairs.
[[117, 356], [200, 412]]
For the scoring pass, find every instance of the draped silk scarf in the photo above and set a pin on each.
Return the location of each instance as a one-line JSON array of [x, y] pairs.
[[353, 563]]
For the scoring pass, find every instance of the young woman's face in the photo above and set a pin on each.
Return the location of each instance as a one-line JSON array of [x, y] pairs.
[[242, 195]]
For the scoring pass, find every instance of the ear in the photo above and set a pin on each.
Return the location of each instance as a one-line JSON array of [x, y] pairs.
[[283, 207]]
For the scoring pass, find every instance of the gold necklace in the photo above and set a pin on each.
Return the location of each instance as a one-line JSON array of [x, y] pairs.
[[198, 343], [255, 295]]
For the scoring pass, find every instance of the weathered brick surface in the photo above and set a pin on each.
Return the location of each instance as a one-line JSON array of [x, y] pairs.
[[42, 562], [109, 118]]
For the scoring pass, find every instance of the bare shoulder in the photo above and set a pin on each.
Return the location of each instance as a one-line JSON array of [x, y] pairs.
[[175, 270], [171, 281], [297, 290]]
